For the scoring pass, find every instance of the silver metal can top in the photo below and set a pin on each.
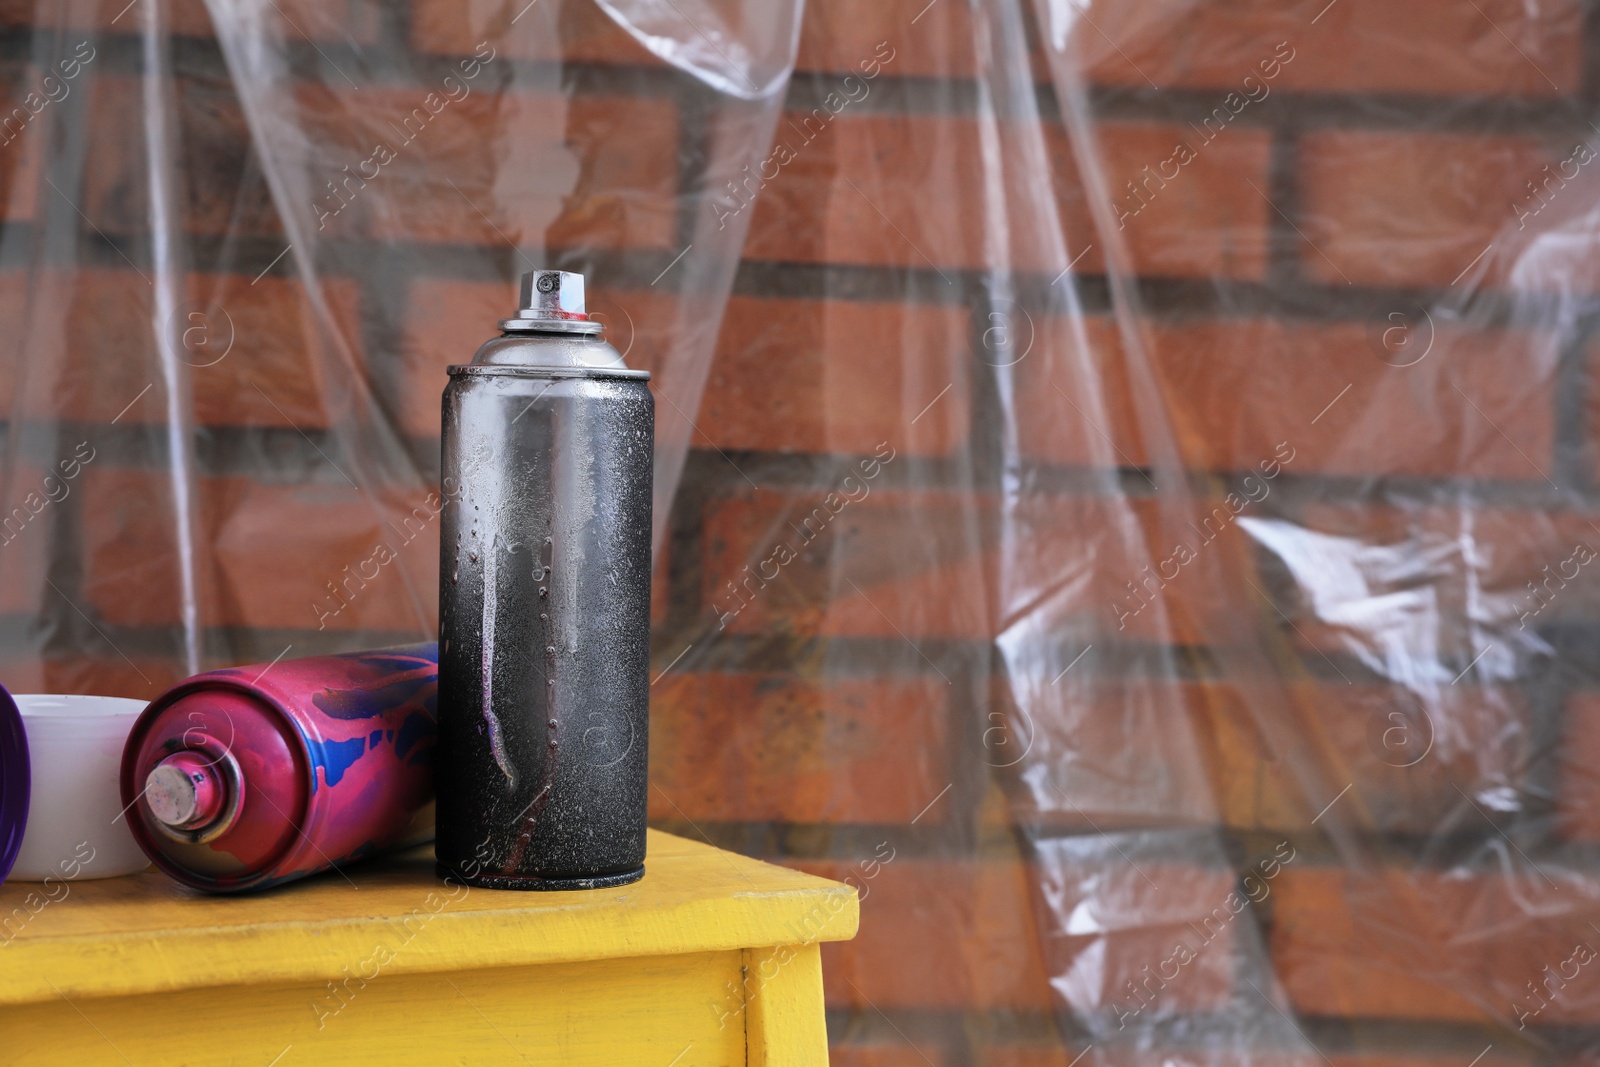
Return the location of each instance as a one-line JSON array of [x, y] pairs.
[[552, 302]]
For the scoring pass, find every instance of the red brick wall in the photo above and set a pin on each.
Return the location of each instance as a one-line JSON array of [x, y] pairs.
[[893, 703]]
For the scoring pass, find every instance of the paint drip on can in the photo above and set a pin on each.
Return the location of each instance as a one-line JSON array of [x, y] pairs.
[[254, 776]]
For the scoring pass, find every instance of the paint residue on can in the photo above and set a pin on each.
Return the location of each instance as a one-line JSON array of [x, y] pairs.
[[253, 776]]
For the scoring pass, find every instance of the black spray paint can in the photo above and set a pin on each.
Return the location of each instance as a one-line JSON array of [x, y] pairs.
[[544, 604]]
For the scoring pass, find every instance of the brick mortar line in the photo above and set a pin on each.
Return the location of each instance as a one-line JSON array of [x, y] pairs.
[[696, 137], [402, 66], [1394, 851], [1285, 247], [685, 538], [1393, 1039], [816, 471], [1118, 662], [856, 658], [1589, 90], [1573, 438], [1398, 491], [953, 96], [339, 259], [800, 473], [1302, 110], [1166, 298], [1549, 694], [197, 57], [1477, 113]]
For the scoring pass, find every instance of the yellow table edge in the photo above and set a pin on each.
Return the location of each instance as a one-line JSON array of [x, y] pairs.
[[694, 898]]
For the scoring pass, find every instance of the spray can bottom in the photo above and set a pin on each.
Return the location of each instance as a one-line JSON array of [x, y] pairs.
[[489, 880]]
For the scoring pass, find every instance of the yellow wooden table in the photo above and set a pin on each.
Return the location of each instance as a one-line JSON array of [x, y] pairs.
[[711, 959]]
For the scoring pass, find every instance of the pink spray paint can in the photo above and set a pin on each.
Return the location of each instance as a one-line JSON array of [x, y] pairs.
[[249, 777]]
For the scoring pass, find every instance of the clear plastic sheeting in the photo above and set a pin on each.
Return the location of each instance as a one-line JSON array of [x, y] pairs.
[[1125, 471], [750, 59]]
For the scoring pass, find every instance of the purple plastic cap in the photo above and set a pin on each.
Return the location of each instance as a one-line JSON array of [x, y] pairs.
[[15, 781]]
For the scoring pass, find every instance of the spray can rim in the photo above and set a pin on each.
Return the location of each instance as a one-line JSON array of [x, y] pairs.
[[511, 370], [132, 785]]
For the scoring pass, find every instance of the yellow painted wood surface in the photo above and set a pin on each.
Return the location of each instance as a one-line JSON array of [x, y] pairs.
[[783, 1007], [387, 964], [647, 1011]]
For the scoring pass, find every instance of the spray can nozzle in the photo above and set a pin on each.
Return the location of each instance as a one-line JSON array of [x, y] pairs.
[[552, 302], [182, 791], [194, 795]]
